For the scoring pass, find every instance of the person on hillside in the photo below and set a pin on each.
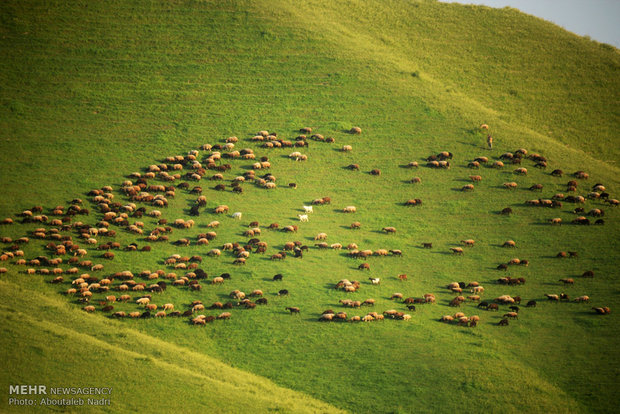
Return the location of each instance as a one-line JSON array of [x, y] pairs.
[[490, 141]]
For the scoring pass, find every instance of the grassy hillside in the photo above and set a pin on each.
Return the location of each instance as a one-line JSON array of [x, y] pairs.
[[93, 92]]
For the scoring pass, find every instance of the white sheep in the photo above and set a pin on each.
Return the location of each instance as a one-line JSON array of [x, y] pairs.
[[308, 209], [375, 280], [237, 215], [303, 217]]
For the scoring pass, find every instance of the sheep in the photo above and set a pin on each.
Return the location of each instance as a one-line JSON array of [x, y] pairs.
[[468, 187], [397, 295], [520, 171], [602, 311], [349, 209], [468, 242], [143, 301], [457, 250], [510, 185], [321, 236], [364, 266], [303, 218], [552, 297], [583, 298], [347, 148], [389, 229], [588, 273], [355, 130], [475, 178], [375, 280], [308, 209], [237, 215], [293, 310]]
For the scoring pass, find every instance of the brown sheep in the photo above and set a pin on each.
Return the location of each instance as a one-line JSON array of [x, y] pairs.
[[468, 187], [364, 266], [389, 229], [475, 178], [457, 250]]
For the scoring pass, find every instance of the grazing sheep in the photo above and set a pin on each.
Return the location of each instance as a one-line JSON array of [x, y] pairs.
[[303, 218], [389, 229], [475, 178], [511, 185], [457, 250], [413, 202], [397, 296], [552, 297], [583, 298], [468, 242], [602, 311], [355, 130], [364, 266], [349, 209], [375, 280], [321, 236], [292, 309], [468, 187], [347, 148]]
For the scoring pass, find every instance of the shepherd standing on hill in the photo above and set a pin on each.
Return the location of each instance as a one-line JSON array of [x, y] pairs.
[[489, 137]]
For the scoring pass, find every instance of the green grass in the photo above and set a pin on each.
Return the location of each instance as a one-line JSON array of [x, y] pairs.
[[92, 93]]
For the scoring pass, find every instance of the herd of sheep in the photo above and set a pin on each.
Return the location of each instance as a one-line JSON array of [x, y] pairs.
[[68, 238]]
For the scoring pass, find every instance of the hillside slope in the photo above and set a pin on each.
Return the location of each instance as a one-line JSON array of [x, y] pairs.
[[48, 341], [92, 92]]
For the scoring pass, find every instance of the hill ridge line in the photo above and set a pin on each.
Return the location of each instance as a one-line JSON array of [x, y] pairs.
[[259, 390]]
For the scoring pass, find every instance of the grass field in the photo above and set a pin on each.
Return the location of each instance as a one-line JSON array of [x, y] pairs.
[[92, 92]]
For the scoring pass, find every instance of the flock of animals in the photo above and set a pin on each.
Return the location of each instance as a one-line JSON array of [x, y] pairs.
[[70, 241]]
